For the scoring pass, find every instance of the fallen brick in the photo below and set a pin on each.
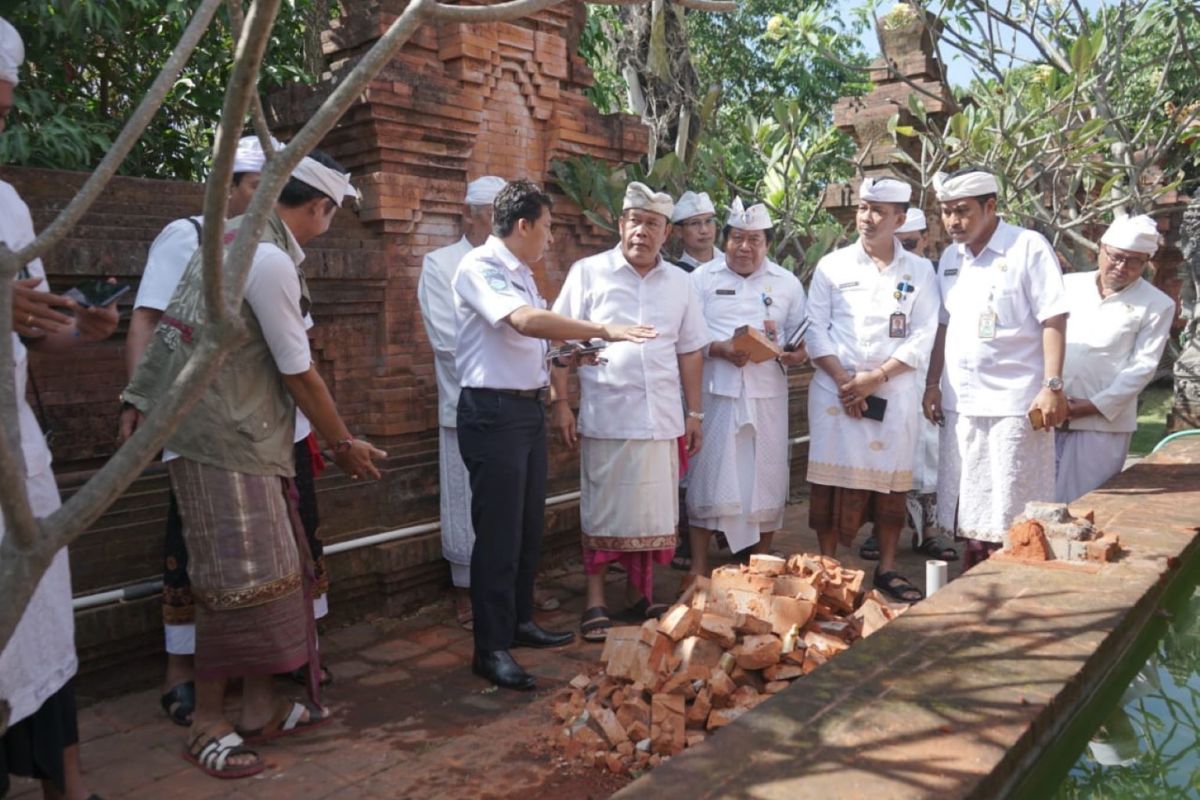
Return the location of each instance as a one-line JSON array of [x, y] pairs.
[[668, 725], [746, 697], [782, 672], [812, 660], [797, 587], [827, 645], [588, 739], [719, 629], [613, 731], [625, 749], [634, 709], [721, 687], [756, 652], [871, 617], [750, 624], [733, 576], [731, 602], [660, 654], [697, 711], [774, 687], [615, 764], [639, 730], [788, 612], [1027, 540], [695, 737], [720, 717], [695, 651], [648, 632], [767, 565], [747, 677], [679, 623], [580, 682]]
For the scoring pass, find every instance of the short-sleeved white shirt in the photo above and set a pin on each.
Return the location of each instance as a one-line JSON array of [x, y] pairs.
[[489, 285], [1016, 277], [731, 301], [1114, 345], [850, 306], [636, 394], [436, 297]]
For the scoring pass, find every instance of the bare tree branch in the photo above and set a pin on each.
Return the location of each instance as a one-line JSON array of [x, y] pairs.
[[257, 114], [513, 9]]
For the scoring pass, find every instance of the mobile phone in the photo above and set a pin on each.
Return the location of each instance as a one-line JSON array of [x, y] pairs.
[[96, 292], [794, 341], [1036, 419], [876, 406]]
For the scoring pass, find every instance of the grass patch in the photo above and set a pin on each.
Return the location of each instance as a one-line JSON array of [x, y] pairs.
[[1153, 405]]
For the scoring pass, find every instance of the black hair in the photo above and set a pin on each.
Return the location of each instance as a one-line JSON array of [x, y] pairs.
[[982, 198], [518, 200], [296, 193], [768, 232]]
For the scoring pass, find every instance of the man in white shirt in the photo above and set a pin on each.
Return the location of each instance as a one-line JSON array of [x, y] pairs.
[[436, 297], [38, 664], [695, 220], [1001, 339], [739, 483], [500, 354], [629, 412], [873, 310], [1119, 329]]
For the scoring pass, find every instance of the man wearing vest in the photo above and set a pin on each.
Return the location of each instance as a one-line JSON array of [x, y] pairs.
[[233, 479]]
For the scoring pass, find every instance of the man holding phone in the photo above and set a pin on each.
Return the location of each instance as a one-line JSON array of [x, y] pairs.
[[873, 307]]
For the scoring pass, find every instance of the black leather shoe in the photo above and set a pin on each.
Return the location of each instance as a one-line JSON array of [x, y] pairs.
[[501, 669], [530, 634]]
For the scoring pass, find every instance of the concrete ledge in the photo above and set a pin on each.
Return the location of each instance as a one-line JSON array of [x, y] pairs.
[[960, 696]]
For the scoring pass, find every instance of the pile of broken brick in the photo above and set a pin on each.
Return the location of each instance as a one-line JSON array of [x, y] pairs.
[[728, 644]]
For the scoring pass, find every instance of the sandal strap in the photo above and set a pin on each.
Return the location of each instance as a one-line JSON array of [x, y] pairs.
[[215, 753], [293, 717]]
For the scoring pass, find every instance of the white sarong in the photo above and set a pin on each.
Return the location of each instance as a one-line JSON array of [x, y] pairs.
[[863, 453], [629, 496], [458, 536], [989, 468], [1085, 460], [738, 483]]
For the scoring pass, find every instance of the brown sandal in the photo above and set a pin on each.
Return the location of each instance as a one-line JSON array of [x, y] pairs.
[[211, 754], [594, 625], [289, 722]]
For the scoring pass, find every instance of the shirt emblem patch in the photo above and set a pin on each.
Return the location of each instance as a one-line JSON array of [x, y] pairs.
[[496, 279], [726, 291]]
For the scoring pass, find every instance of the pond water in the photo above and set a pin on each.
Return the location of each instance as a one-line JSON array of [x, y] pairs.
[[1148, 746]]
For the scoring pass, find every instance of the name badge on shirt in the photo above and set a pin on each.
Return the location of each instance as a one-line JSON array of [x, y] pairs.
[[726, 291], [850, 285], [898, 326], [987, 325], [771, 329], [952, 271]]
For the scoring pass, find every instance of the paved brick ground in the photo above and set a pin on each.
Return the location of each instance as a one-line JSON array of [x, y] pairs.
[[411, 719]]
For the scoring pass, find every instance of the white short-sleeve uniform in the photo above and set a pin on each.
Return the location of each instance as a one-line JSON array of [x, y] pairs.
[[40, 658], [1114, 345], [991, 462], [739, 481], [436, 298], [852, 305]]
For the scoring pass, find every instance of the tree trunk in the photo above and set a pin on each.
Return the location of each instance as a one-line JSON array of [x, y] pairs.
[[1185, 412]]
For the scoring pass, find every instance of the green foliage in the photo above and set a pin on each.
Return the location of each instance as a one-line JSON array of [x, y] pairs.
[[90, 61], [596, 48]]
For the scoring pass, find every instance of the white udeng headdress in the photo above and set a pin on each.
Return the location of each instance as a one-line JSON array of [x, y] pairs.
[[692, 204], [915, 221], [884, 190], [970, 184], [250, 156], [12, 52], [754, 218], [482, 191], [639, 195], [333, 183], [1138, 234]]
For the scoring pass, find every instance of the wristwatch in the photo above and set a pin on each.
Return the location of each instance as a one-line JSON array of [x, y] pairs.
[[1053, 384], [343, 445], [696, 415]]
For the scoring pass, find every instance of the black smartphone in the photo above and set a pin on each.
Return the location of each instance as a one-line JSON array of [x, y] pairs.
[[876, 406], [97, 292]]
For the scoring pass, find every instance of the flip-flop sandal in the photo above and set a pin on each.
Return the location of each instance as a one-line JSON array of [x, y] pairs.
[[594, 624], [179, 703], [681, 563], [212, 756], [897, 587], [289, 724], [300, 676], [870, 549], [643, 610]]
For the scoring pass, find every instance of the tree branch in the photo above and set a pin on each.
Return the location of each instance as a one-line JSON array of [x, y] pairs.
[[257, 114], [129, 135], [500, 12]]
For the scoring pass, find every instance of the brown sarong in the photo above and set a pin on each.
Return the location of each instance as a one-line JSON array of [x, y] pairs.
[[845, 511], [245, 566]]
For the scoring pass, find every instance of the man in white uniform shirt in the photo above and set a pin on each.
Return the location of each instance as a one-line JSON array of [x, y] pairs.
[[1119, 328], [38, 664], [436, 297], [629, 412], [1001, 339], [695, 219], [500, 353], [873, 310]]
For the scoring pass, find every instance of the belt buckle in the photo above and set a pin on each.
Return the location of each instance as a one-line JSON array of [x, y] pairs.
[[542, 393]]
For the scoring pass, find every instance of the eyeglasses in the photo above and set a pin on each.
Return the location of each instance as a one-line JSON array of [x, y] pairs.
[[910, 244], [1122, 259], [697, 224], [738, 239]]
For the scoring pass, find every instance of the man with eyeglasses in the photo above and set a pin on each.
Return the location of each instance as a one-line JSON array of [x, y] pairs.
[[695, 219], [1001, 341], [630, 417], [1119, 328], [739, 483]]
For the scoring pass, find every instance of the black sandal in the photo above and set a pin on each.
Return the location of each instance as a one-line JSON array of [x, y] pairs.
[[897, 587], [935, 547], [594, 624], [643, 610], [300, 676], [179, 703], [870, 549]]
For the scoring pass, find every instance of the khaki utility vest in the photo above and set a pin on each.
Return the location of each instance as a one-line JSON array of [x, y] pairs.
[[245, 420]]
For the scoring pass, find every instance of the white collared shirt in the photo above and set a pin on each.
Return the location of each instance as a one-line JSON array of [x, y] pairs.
[[850, 306], [1114, 345], [636, 394], [169, 255], [695, 263], [489, 285], [16, 231], [436, 297], [1017, 278], [731, 301]]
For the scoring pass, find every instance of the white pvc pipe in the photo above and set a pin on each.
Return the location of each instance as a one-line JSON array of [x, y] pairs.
[[936, 574]]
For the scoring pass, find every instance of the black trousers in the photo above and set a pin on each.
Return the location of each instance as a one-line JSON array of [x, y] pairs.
[[502, 439]]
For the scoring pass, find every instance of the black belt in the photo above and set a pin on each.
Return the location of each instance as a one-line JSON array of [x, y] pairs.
[[541, 394]]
